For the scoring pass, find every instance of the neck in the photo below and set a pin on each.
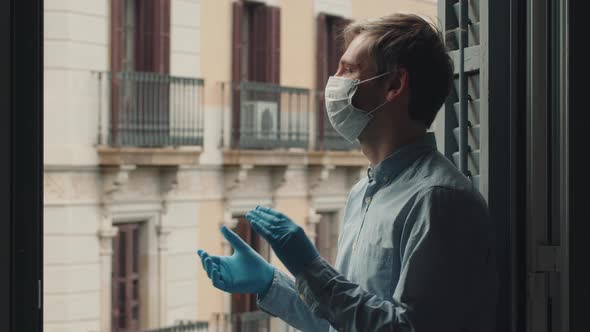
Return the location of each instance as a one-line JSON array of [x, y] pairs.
[[379, 147]]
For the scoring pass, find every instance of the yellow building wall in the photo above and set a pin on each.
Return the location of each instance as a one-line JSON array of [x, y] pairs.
[[298, 36], [216, 50]]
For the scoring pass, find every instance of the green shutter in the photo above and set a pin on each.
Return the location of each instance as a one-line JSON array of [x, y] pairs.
[[463, 131]]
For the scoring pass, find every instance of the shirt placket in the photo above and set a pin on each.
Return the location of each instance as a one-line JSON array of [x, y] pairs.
[[367, 199]]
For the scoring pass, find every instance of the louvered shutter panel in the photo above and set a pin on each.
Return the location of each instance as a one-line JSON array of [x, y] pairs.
[[463, 118]]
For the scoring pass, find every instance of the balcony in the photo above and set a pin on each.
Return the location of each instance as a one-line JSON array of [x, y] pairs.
[[269, 125], [149, 118], [267, 116]]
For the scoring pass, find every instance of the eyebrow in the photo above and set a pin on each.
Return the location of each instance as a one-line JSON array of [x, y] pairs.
[[345, 62]]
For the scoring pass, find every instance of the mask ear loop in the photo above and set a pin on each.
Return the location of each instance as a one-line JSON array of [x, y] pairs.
[[375, 77], [370, 114]]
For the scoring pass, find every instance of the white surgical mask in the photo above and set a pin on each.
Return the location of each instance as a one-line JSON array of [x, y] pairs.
[[346, 119]]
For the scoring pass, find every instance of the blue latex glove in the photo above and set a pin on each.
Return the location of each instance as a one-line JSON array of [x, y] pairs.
[[243, 272], [287, 239]]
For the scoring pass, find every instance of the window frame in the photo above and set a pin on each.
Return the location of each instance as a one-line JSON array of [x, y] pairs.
[[21, 121]]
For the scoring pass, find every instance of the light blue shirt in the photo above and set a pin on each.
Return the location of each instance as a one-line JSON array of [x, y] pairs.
[[415, 253]]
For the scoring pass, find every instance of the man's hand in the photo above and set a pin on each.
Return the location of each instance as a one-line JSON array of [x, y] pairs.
[[287, 239], [243, 272]]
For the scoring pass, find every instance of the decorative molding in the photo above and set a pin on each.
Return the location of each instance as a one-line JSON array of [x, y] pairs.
[[313, 217], [163, 232], [312, 221], [236, 176], [169, 179], [355, 174], [228, 219], [319, 175], [114, 180], [288, 180]]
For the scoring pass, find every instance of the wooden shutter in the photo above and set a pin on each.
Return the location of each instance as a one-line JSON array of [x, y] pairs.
[[125, 279], [265, 48], [152, 36], [143, 35], [162, 37], [259, 66], [117, 39]]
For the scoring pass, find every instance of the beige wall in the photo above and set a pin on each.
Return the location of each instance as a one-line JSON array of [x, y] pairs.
[[216, 51], [75, 45], [185, 35], [365, 9], [298, 49]]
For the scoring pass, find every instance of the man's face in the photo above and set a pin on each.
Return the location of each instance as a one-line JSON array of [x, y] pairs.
[[357, 64]]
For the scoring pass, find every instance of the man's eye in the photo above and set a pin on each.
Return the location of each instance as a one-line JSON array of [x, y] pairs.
[[347, 70]]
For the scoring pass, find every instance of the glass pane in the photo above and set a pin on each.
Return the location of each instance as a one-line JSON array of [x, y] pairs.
[[122, 304], [135, 289], [122, 254], [135, 312], [136, 250]]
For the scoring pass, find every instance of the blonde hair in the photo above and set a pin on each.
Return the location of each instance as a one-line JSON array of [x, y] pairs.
[[409, 41]]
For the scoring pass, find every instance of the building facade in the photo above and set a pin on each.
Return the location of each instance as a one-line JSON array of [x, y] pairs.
[[166, 119]]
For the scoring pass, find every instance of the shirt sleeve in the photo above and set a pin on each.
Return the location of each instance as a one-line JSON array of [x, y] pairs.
[[447, 258], [282, 300]]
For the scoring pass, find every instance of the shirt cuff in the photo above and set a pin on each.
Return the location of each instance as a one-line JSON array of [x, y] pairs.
[[268, 302], [310, 283]]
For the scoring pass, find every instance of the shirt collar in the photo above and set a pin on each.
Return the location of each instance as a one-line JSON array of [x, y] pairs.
[[393, 165]]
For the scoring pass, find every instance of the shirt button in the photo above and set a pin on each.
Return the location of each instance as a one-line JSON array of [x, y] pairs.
[[385, 178], [301, 297], [368, 200]]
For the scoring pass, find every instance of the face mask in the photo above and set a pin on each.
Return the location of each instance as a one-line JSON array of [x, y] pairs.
[[346, 119]]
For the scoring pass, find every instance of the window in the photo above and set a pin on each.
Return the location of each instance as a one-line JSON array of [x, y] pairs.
[[125, 278], [256, 39], [141, 35]]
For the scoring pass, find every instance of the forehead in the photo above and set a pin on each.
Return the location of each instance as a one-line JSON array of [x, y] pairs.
[[357, 52]]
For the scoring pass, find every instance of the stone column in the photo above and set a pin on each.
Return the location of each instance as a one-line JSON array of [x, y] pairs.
[[106, 234]]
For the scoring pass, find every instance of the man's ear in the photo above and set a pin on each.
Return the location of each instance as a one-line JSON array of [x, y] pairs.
[[398, 84]]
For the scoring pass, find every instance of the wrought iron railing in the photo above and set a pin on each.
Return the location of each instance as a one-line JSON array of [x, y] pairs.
[[182, 326], [268, 116], [150, 110]]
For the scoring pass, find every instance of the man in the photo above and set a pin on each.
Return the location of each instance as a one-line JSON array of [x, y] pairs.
[[415, 248]]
